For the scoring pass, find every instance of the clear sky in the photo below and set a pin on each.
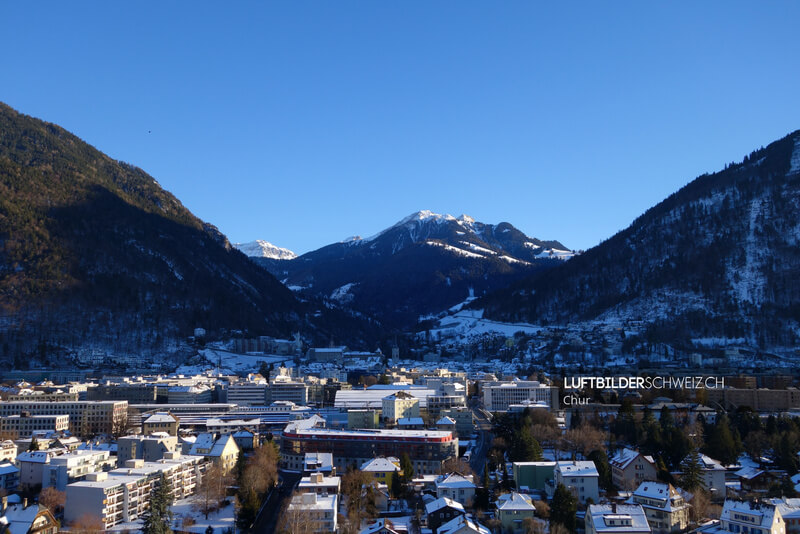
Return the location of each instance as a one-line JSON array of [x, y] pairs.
[[304, 123]]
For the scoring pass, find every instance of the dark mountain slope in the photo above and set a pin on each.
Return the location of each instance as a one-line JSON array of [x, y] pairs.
[[718, 258], [95, 254]]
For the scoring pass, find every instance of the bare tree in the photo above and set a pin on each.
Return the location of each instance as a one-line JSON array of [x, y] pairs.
[[87, 524], [583, 439], [295, 520], [53, 499], [458, 465], [211, 489], [261, 469]]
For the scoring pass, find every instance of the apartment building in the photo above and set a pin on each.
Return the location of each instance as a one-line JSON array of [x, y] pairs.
[[147, 448], [427, 449], [23, 425], [86, 418], [499, 396], [580, 477], [319, 510], [123, 495], [161, 422], [399, 405], [67, 468]]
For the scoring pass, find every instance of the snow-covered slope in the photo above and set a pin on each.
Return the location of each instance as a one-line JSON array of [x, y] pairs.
[[264, 249]]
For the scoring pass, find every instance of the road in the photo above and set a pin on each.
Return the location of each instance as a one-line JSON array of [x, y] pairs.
[[483, 427], [268, 516]]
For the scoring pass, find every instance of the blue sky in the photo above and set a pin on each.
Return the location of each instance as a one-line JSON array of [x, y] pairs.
[[304, 123]]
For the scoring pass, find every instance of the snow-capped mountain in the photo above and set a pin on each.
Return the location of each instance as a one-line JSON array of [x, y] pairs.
[[423, 263], [463, 236], [718, 259], [264, 249]]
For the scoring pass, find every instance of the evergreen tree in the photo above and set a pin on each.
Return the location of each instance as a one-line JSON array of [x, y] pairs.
[[158, 517], [406, 467], [666, 420], [692, 477], [563, 508], [600, 459], [721, 444]]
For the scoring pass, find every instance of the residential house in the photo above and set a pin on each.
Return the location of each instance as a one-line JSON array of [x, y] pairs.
[[456, 486], [462, 525], [441, 511], [665, 507], [9, 477], [382, 469], [514, 508], [161, 422], [743, 517], [616, 519], [629, 468], [25, 518]]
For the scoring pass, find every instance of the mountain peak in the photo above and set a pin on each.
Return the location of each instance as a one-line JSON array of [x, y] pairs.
[[264, 249]]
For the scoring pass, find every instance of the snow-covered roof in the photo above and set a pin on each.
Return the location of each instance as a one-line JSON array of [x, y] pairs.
[[7, 468], [657, 491], [762, 513], [454, 481], [619, 518], [161, 417], [380, 465], [21, 519], [749, 472], [382, 525], [446, 421], [577, 468], [623, 458], [514, 501], [410, 421], [441, 503], [462, 524]]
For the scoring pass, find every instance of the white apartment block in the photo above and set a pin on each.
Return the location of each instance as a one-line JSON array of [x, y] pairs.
[[22, 426], [400, 405], [123, 495], [67, 468], [319, 510], [498, 396], [580, 477]]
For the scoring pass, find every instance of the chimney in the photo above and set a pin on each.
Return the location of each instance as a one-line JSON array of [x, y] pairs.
[[614, 507], [4, 504], [24, 503]]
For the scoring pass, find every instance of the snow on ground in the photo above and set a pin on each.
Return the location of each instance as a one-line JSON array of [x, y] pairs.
[[718, 341], [746, 280], [343, 294], [556, 254], [221, 520], [795, 164], [264, 249], [230, 362], [480, 250], [455, 250], [466, 323]]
